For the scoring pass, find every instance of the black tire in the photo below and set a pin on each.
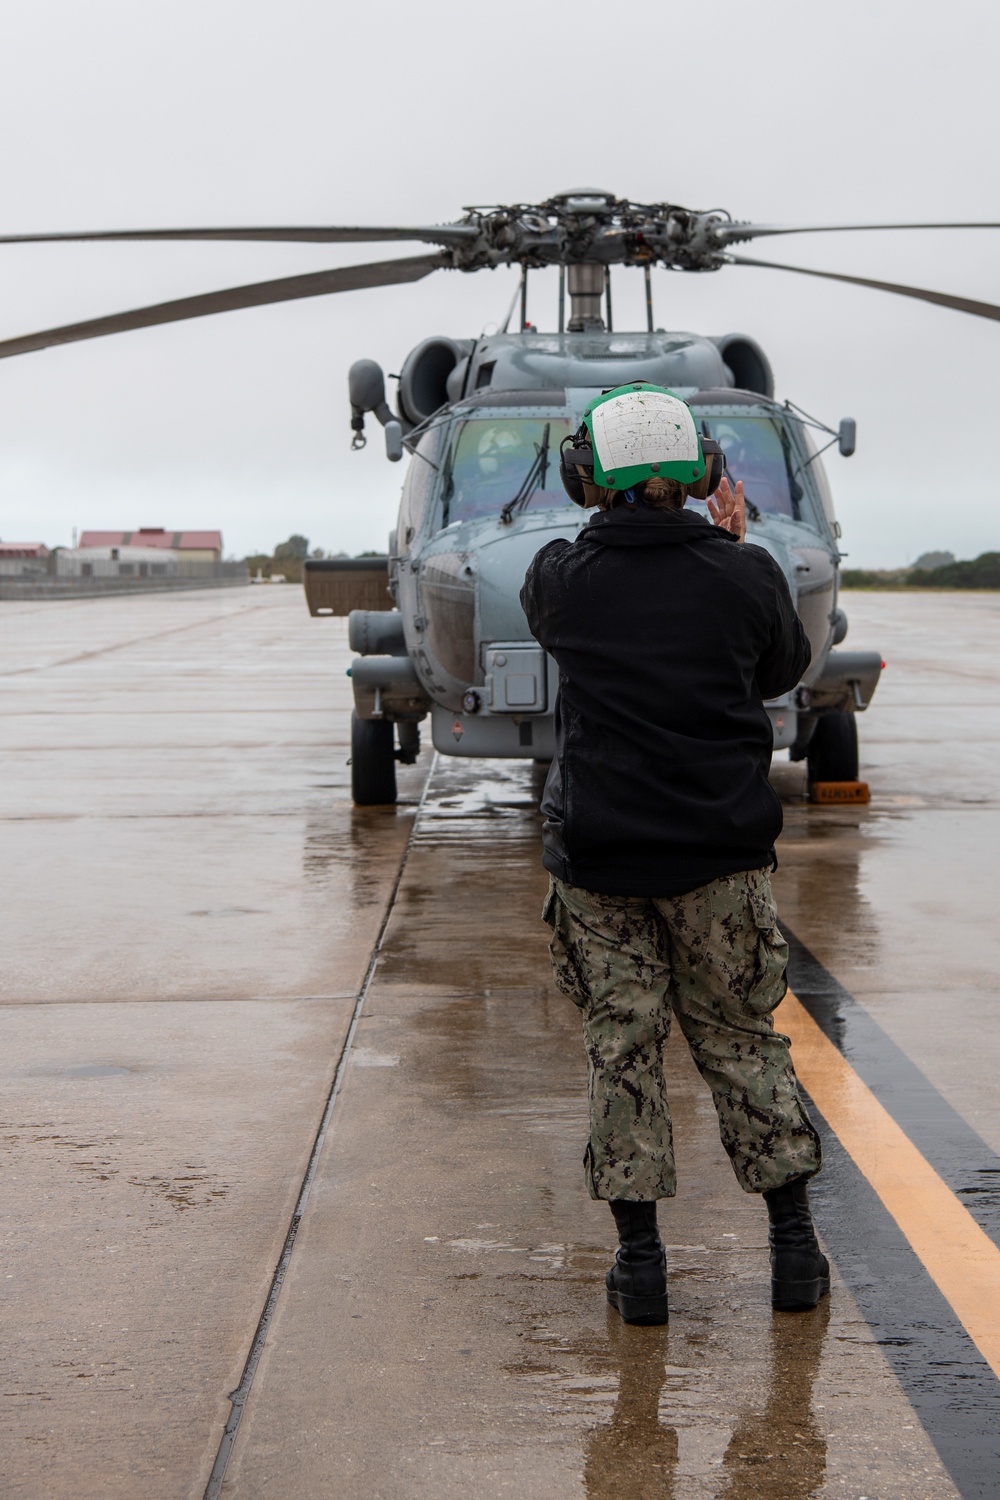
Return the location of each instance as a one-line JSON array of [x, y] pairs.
[[833, 749], [373, 762], [806, 729]]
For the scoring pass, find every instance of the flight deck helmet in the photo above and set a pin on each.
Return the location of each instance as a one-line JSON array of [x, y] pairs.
[[634, 433]]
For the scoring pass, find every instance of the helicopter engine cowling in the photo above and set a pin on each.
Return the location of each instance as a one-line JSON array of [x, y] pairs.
[[423, 382], [747, 363]]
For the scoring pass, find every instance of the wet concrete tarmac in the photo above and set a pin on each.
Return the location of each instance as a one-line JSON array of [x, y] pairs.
[[195, 905], [189, 904]]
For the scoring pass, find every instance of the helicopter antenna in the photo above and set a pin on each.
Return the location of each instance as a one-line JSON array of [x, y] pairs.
[[607, 295], [524, 297], [649, 296], [510, 311], [562, 298]]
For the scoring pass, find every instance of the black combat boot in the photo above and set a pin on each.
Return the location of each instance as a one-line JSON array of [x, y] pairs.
[[637, 1282], [800, 1272]]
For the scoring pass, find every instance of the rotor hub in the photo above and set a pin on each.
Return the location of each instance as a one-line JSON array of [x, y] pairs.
[[590, 226]]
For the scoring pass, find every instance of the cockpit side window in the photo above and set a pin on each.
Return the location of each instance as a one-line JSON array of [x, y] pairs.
[[818, 475], [489, 459], [418, 486]]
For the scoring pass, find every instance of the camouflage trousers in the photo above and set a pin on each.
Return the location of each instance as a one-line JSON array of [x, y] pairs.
[[715, 959]]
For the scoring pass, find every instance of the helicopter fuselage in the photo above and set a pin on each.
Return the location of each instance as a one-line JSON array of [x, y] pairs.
[[457, 647]]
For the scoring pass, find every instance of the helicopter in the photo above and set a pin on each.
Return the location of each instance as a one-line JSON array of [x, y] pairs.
[[436, 622]]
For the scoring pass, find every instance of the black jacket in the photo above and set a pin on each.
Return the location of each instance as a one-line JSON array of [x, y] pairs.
[[668, 636]]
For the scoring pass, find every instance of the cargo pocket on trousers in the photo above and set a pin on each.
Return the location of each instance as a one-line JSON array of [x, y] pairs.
[[567, 969], [769, 985]]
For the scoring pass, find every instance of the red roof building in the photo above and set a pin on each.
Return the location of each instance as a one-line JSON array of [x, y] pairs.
[[203, 546], [23, 559]]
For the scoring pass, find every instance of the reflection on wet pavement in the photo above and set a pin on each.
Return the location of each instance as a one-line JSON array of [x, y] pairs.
[[637, 1450], [784, 1436], [775, 1449]]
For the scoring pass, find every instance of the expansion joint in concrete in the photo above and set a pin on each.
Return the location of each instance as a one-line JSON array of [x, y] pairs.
[[241, 1395]]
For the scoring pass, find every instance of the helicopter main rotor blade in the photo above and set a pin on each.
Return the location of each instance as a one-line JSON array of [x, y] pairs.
[[441, 234], [941, 299], [733, 234], [285, 289]]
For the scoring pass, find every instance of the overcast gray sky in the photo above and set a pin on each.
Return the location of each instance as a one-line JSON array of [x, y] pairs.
[[118, 115]]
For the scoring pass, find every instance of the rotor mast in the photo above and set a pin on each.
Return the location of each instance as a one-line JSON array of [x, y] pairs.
[[586, 281]]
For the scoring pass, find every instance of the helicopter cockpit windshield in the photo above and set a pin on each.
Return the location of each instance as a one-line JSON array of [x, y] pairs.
[[489, 459], [757, 452]]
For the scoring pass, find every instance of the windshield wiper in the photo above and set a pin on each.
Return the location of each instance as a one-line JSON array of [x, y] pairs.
[[532, 481], [448, 483], [795, 490]]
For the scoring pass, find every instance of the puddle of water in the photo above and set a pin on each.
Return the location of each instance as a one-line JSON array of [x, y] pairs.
[[94, 1070]]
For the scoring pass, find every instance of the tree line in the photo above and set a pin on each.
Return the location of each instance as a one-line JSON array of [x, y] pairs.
[[982, 572]]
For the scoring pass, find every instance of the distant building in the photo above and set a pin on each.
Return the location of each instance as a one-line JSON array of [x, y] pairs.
[[23, 559], [117, 562], [192, 546]]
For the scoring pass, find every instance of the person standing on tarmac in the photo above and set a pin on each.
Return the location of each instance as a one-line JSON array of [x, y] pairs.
[[660, 824]]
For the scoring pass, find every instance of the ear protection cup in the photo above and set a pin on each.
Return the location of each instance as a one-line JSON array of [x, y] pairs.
[[715, 467], [576, 465], [572, 484]]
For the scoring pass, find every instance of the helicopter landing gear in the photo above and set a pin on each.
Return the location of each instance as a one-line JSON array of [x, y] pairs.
[[832, 752], [409, 741], [373, 762], [373, 759]]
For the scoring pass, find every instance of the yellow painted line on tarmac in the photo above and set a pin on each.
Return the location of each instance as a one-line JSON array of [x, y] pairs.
[[960, 1258]]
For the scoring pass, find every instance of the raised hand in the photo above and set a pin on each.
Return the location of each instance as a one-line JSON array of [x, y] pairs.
[[728, 509]]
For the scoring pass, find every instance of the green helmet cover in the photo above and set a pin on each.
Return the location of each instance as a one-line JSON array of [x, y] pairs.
[[641, 430]]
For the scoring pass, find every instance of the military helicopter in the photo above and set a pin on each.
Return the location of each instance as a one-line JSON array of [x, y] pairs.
[[436, 622]]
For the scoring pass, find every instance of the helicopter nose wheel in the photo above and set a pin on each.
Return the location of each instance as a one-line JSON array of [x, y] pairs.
[[373, 762], [832, 753]]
